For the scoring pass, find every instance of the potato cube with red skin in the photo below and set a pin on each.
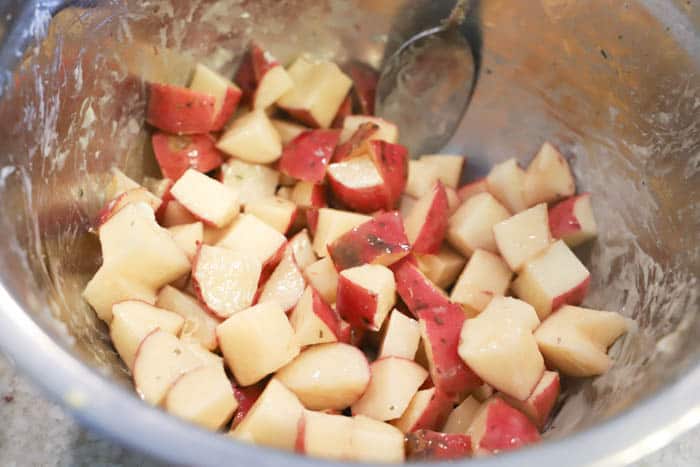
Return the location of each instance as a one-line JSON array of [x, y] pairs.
[[548, 178], [199, 324], [344, 110], [499, 427], [323, 277], [188, 237], [252, 138], [392, 161], [278, 213], [176, 214], [401, 337], [393, 384], [226, 94], [358, 185], [442, 268], [307, 155], [333, 223], [575, 340], [175, 154], [318, 91], [310, 197], [207, 199], [179, 110], [325, 436], [385, 130], [262, 79], [428, 410], [108, 287], [364, 79], [365, 295], [381, 240], [315, 322], [355, 144], [461, 417], [498, 345], [374, 441], [251, 182], [285, 286], [202, 396], [428, 445], [426, 223], [245, 397], [572, 220], [273, 420], [131, 196], [329, 376], [248, 234], [225, 280], [540, 403], [256, 342], [485, 276], [421, 177], [471, 189], [471, 226], [449, 167], [414, 288], [287, 130], [523, 236], [440, 329], [300, 248], [554, 278], [453, 201], [506, 181]]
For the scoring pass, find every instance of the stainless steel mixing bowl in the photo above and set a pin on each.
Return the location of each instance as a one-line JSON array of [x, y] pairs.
[[613, 83]]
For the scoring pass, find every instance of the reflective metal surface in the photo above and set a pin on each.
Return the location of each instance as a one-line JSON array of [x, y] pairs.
[[614, 84]]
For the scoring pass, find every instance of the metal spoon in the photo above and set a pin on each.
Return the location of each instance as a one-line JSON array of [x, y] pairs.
[[426, 84]]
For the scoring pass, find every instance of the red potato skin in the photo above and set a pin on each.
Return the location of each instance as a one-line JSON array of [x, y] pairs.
[[269, 266], [254, 65], [574, 296], [355, 145], [539, 405], [329, 317], [449, 373], [307, 156], [179, 110], [431, 445], [165, 199], [231, 100], [434, 227], [471, 189], [245, 397], [381, 240], [355, 304], [299, 443], [416, 290], [364, 200], [435, 413], [303, 116], [176, 154], [114, 205], [506, 429], [392, 162], [344, 110], [365, 79], [562, 220]]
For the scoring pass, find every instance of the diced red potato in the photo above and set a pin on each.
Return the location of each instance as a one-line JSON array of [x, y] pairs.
[[506, 182], [434, 446], [307, 156], [375, 441], [273, 82], [332, 223], [326, 436], [256, 342], [364, 79], [440, 331], [575, 340], [358, 184], [273, 420], [252, 138], [321, 382], [498, 345], [355, 144], [572, 220], [428, 410], [226, 94], [554, 278], [300, 248], [176, 214], [499, 427], [287, 130], [386, 130], [278, 213], [245, 398], [199, 324], [285, 286], [426, 223], [393, 383], [523, 236], [250, 181], [449, 167], [203, 396], [471, 189], [310, 197], [344, 110], [133, 320], [423, 173], [108, 287], [160, 360], [471, 226], [381, 240], [131, 196], [206, 357], [323, 277], [414, 288], [442, 268], [318, 91], [392, 161], [179, 110], [314, 321], [175, 154], [548, 178], [401, 337], [248, 234], [406, 205], [225, 280], [462, 416], [540, 403], [207, 199], [453, 201], [245, 78], [486, 276], [188, 237], [365, 295]]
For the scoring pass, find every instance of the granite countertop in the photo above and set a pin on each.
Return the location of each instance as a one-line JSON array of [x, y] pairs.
[[38, 433]]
